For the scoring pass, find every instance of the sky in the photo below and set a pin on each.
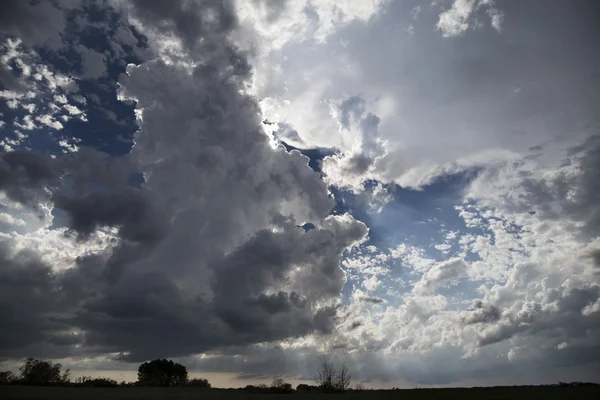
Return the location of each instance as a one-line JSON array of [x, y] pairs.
[[410, 188]]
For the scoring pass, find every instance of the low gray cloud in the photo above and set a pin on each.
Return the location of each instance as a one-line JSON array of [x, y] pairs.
[[31, 304], [567, 321]]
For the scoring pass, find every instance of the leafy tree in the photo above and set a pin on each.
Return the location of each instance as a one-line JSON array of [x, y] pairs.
[[37, 372], [303, 387], [162, 373], [7, 377], [66, 376], [199, 382]]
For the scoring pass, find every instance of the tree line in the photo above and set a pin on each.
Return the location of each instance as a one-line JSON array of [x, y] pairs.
[[160, 372], [166, 373]]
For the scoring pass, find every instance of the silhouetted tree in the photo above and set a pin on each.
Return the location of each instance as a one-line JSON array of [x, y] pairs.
[[281, 386], [326, 377], [66, 376], [199, 382], [37, 372], [342, 379], [307, 388], [162, 373], [82, 379], [330, 379], [7, 377], [96, 382]]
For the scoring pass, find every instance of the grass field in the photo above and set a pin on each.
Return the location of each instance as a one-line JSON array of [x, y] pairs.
[[130, 393]]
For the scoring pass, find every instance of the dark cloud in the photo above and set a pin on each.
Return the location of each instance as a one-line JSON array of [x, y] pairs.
[[30, 305], [278, 303], [482, 313], [359, 164], [89, 169], [128, 209], [374, 300], [569, 321], [189, 20], [209, 252], [36, 22], [23, 176], [595, 255], [89, 186], [566, 196], [8, 78], [239, 313], [355, 324]]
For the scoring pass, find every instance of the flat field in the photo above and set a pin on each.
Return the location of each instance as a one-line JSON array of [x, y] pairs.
[[137, 393]]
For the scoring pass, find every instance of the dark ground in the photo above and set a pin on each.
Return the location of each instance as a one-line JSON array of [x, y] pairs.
[[131, 393]]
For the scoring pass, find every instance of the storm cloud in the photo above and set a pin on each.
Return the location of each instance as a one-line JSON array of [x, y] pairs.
[[213, 229], [255, 187]]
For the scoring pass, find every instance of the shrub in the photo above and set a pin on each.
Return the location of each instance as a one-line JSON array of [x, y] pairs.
[[280, 386], [307, 388], [199, 382], [7, 377], [100, 382]]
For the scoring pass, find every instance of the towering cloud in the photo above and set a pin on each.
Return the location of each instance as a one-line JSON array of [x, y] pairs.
[[209, 250]]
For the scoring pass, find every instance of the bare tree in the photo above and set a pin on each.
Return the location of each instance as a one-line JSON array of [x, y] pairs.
[[277, 382], [359, 387], [326, 377], [342, 379]]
